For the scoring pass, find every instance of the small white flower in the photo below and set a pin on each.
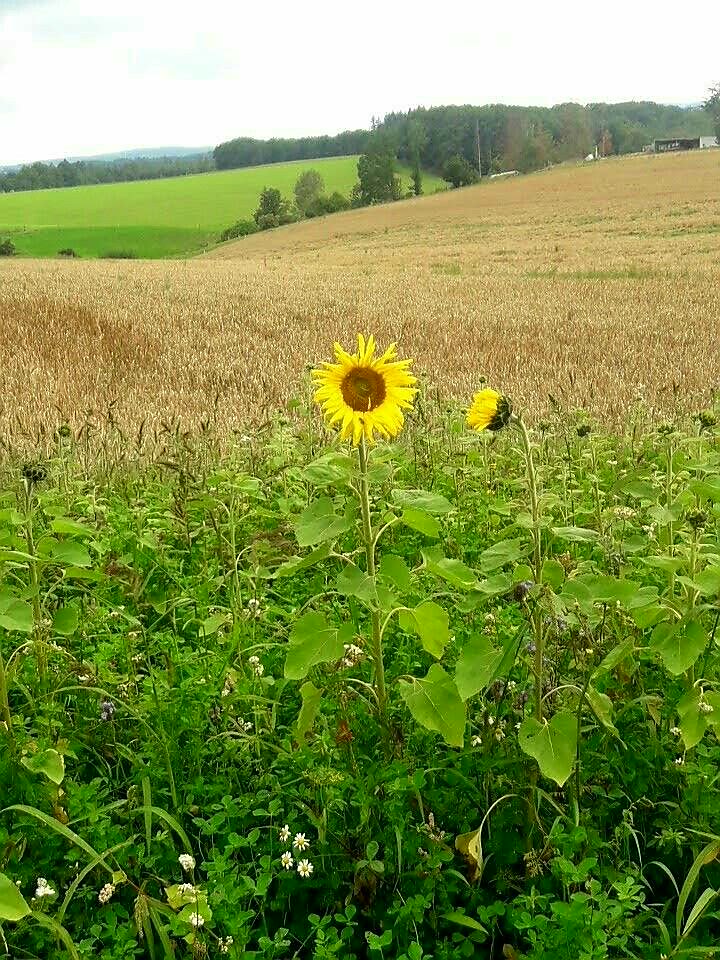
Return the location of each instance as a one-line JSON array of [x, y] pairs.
[[679, 761], [106, 893], [300, 843], [186, 890], [476, 741], [43, 889], [285, 834], [499, 735], [186, 861], [287, 860], [257, 667], [490, 721], [224, 945], [511, 684], [195, 920], [675, 731], [305, 868], [705, 707]]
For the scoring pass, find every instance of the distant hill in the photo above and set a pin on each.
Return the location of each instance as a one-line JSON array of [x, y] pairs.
[[141, 153]]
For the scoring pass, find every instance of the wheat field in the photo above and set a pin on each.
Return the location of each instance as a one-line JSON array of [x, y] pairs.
[[596, 284]]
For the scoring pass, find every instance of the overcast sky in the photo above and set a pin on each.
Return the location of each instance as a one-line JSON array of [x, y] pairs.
[[90, 76]]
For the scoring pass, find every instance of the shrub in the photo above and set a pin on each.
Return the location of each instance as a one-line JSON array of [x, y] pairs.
[[7, 248], [327, 204], [67, 252], [119, 255], [242, 228], [458, 172]]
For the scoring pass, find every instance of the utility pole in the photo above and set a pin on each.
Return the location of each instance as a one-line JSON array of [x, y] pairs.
[[477, 143]]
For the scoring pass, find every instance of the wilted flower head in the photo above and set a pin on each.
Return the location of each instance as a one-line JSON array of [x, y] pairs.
[[107, 709], [489, 410], [522, 589], [33, 473]]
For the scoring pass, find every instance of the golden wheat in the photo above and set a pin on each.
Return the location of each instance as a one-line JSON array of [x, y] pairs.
[[595, 284]]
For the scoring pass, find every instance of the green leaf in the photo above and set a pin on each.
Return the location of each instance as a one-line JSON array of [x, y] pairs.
[[576, 534], [430, 622], [422, 500], [311, 641], [422, 522], [309, 710], [502, 553], [328, 469], [354, 582], [601, 706], [616, 656], [296, 564], [17, 616], [708, 582], [463, 920], [49, 762], [435, 703], [693, 723], [452, 571], [395, 569], [553, 573], [71, 527], [65, 621], [553, 744], [319, 522], [12, 903], [679, 645], [476, 666], [68, 553]]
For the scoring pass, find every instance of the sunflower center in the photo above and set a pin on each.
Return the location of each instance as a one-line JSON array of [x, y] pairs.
[[363, 389]]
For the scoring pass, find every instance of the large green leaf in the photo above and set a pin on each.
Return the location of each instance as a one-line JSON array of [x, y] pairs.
[[71, 527], [12, 903], [354, 582], [552, 743], [502, 553], [18, 615], [422, 500], [431, 623], [435, 703], [693, 723], [65, 620], [421, 521], [319, 523], [295, 564], [311, 642], [679, 645], [476, 666], [394, 569], [68, 553], [49, 762], [308, 711], [328, 469], [601, 705], [454, 572], [576, 534]]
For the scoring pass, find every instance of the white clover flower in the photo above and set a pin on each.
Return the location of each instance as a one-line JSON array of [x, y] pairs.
[[106, 893], [186, 890], [300, 842], [43, 889], [679, 761], [186, 861], [490, 721], [195, 920], [476, 741], [285, 834], [287, 860], [257, 667], [224, 945], [305, 868], [675, 731], [705, 707], [253, 607]]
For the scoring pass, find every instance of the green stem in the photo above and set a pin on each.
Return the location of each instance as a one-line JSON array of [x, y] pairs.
[[536, 615], [5, 702], [34, 586], [376, 651]]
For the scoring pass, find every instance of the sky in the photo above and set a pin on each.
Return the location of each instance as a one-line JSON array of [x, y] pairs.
[[80, 77]]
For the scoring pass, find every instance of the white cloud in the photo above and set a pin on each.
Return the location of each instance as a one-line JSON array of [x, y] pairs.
[[80, 77]]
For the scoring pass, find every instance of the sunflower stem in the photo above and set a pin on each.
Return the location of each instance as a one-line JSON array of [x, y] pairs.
[[376, 650], [536, 615], [5, 704]]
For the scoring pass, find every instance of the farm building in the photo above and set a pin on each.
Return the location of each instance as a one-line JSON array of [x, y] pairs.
[[669, 144]]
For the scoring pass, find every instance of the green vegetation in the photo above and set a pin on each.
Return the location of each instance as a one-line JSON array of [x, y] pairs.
[[157, 218], [194, 758]]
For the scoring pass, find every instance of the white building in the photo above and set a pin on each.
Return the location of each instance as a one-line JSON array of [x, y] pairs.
[[706, 142]]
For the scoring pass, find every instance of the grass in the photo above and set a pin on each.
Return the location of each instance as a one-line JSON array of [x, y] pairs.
[[157, 218]]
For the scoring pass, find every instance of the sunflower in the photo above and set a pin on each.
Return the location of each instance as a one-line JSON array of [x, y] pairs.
[[489, 410], [362, 393]]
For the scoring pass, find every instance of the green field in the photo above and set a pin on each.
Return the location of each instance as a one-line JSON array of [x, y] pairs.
[[157, 218]]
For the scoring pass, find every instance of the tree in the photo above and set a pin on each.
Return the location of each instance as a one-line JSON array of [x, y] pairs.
[[273, 210], [416, 137], [308, 187], [458, 172], [7, 248], [377, 181], [712, 106]]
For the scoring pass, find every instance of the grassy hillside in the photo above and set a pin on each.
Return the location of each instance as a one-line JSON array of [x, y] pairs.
[[156, 218]]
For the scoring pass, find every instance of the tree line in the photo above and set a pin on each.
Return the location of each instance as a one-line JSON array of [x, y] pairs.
[[67, 173]]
